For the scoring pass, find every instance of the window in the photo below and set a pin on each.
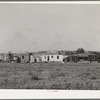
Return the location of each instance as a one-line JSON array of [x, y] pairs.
[[93, 57], [22, 57], [44, 57], [51, 56], [57, 57]]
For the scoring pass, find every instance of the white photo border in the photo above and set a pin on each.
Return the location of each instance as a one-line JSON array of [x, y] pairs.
[[49, 94]]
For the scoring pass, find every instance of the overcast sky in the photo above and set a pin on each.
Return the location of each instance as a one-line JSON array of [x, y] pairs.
[[35, 27]]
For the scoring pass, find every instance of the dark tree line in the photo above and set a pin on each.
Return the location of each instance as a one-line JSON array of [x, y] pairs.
[[80, 50]]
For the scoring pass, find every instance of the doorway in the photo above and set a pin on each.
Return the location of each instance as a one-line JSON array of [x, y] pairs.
[[48, 58]]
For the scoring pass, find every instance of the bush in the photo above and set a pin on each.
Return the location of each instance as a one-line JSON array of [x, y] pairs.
[[93, 78], [35, 78]]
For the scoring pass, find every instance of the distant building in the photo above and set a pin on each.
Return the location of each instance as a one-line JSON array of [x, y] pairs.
[[32, 59], [46, 57], [3, 56], [25, 57], [52, 57], [36, 57], [83, 57]]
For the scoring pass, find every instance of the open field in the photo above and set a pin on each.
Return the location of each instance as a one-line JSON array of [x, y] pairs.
[[50, 76]]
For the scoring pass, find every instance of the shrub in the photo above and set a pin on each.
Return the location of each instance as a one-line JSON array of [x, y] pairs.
[[35, 78], [93, 78]]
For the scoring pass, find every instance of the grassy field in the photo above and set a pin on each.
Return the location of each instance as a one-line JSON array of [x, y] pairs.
[[69, 76]]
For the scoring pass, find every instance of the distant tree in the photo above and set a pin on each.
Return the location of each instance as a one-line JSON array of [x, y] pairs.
[[80, 50], [10, 56], [69, 53], [94, 52], [18, 60]]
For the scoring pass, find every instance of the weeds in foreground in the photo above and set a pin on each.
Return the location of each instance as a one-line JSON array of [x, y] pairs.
[[35, 76]]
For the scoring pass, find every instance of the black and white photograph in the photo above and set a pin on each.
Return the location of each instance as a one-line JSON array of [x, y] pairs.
[[50, 46]]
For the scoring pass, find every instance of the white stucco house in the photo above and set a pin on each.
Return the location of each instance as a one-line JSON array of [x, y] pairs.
[[52, 57], [46, 57]]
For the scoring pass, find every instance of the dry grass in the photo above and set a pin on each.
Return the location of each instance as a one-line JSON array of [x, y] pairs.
[[50, 76]]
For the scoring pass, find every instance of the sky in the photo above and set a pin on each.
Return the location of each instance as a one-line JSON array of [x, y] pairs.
[[37, 27]]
